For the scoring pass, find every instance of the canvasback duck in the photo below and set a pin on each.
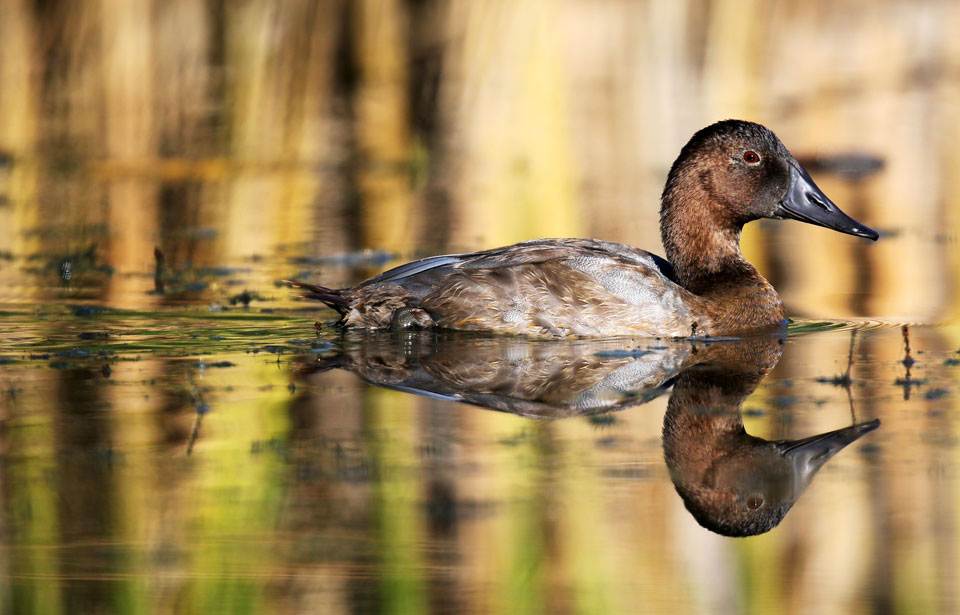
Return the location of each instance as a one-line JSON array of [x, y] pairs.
[[734, 483], [728, 174]]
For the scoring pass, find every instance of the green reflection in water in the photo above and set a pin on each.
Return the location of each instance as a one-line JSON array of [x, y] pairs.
[[240, 497], [528, 522], [31, 502], [391, 439]]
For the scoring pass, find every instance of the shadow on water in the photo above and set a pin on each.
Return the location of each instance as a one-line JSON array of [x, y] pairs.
[[733, 483]]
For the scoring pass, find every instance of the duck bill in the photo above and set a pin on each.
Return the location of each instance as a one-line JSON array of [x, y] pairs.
[[805, 201], [808, 455]]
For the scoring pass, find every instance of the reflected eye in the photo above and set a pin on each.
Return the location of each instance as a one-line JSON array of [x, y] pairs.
[[755, 502], [751, 156]]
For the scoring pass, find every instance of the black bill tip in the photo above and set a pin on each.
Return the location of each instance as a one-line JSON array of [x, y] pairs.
[[805, 201]]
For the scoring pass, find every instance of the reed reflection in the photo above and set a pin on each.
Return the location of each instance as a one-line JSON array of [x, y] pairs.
[[732, 483]]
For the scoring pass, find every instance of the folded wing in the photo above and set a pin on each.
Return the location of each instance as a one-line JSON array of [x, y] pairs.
[[546, 287]]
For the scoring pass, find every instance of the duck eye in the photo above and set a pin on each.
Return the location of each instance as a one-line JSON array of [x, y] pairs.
[[751, 156], [754, 503]]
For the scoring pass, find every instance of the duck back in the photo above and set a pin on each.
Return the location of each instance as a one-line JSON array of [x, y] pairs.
[[545, 287]]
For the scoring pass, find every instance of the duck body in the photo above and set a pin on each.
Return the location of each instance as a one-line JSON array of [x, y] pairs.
[[728, 174], [546, 287]]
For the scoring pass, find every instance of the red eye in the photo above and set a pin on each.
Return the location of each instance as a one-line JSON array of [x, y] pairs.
[[751, 156], [755, 502]]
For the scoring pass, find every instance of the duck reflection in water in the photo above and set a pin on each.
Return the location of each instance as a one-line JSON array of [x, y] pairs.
[[732, 483]]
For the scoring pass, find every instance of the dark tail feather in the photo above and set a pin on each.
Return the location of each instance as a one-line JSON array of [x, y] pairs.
[[332, 297]]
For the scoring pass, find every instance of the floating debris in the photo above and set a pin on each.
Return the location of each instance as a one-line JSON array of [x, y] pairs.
[[273, 348], [216, 364], [86, 311], [907, 381], [245, 298], [74, 353], [93, 335]]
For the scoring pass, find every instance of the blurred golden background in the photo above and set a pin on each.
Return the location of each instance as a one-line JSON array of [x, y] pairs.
[[311, 137], [221, 130]]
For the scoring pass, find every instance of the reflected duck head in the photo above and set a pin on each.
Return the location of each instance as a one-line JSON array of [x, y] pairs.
[[751, 483], [733, 483], [731, 173]]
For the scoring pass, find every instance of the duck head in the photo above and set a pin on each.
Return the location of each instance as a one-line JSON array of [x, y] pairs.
[[731, 173], [748, 173]]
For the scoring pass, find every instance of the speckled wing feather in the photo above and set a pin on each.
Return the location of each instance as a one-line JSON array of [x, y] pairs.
[[545, 287], [542, 250]]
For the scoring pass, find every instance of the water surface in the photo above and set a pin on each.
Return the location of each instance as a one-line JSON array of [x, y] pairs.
[[220, 458]]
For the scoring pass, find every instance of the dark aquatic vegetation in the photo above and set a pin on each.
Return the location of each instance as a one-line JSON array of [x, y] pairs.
[[93, 335], [74, 353], [87, 311], [245, 298], [217, 364]]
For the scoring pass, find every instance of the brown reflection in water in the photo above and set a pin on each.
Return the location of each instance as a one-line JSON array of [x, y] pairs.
[[925, 475], [373, 498], [87, 492], [447, 506], [328, 502], [733, 483], [176, 407]]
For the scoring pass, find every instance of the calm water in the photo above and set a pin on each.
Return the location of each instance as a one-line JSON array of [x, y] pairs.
[[221, 458]]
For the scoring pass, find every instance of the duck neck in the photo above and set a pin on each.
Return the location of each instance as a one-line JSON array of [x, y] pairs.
[[702, 245], [702, 242], [703, 413]]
